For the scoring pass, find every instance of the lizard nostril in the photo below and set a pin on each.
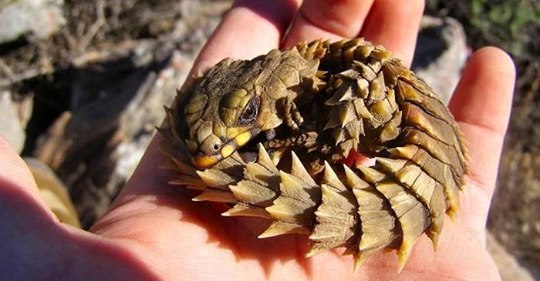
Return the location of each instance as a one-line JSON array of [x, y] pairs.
[[211, 145]]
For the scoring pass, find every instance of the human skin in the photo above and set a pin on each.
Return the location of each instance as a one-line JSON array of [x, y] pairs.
[[153, 231]]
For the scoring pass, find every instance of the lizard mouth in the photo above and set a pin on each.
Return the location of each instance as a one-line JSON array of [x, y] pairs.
[[202, 160]]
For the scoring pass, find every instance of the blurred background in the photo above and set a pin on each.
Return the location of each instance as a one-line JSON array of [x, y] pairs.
[[82, 84]]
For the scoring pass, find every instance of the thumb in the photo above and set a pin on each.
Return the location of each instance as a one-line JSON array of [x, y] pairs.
[[35, 246], [27, 226], [18, 190]]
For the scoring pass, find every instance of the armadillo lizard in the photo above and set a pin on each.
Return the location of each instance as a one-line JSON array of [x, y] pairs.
[[270, 136]]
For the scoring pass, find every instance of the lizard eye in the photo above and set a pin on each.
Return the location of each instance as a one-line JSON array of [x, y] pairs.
[[250, 112]]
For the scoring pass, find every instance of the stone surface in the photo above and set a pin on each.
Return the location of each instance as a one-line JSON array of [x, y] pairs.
[[14, 114], [509, 267], [96, 147], [39, 18], [117, 99]]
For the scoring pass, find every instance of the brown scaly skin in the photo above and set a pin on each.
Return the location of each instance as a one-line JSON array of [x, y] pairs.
[[315, 103]]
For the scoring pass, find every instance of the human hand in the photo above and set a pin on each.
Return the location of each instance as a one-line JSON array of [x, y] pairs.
[[154, 231]]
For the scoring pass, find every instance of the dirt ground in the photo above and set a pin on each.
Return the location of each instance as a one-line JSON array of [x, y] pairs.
[[42, 68]]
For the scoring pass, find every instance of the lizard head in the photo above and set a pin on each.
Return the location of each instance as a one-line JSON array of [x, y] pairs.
[[228, 107]]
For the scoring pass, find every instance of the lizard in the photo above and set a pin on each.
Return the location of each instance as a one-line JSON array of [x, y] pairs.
[[271, 137]]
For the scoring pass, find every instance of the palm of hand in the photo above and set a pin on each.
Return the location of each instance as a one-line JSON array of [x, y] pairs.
[[155, 232]]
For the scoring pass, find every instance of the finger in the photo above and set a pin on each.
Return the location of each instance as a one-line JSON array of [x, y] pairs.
[[394, 24], [481, 105], [249, 29], [30, 232], [328, 19]]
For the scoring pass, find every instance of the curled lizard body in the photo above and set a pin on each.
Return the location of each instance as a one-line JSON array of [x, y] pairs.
[[269, 136]]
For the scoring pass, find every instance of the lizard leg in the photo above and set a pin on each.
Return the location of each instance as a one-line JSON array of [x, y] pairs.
[[304, 139], [279, 146], [291, 115]]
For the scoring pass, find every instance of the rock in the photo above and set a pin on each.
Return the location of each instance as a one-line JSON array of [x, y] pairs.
[[441, 52], [95, 147], [117, 98], [509, 267], [518, 189], [39, 18], [15, 115]]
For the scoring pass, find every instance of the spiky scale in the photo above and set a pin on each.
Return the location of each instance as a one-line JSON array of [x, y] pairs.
[[335, 220], [215, 196], [378, 228], [331, 178], [300, 171], [411, 214], [246, 210], [252, 192], [216, 178]]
